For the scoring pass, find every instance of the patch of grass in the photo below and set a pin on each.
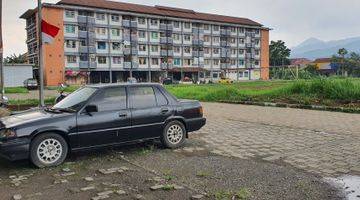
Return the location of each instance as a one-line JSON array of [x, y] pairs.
[[223, 195], [241, 194], [168, 175], [146, 150], [31, 102], [168, 187], [16, 90]]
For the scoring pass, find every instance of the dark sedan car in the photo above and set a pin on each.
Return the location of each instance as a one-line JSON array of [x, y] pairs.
[[97, 116]]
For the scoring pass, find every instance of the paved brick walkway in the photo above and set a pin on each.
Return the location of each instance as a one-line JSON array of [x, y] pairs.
[[327, 143]]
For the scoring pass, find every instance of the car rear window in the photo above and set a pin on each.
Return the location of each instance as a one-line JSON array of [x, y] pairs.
[[160, 98], [142, 97]]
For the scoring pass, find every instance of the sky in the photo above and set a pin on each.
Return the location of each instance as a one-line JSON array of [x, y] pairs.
[[291, 20]]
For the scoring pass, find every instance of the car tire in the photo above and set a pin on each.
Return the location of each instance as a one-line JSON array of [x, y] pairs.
[[48, 150], [174, 135]]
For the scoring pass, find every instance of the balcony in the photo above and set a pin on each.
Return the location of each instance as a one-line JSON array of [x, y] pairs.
[[129, 24], [131, 65], [225, 32], [86, 20], [132, 51], [249, 65], [250, 45], [196, 42], [166, 27], [224, 65], [167, 53], [166, 40], [133, 41], [250, 34], [225, 53], [86, 34], [85, 65], [225, 44], [166, 66], [198, 53], [198, 31], [87, 49]]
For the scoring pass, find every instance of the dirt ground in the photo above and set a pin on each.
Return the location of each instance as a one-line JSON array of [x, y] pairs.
[[187, 173]]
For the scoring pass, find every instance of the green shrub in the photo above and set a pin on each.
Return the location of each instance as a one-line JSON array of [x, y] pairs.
[[14, 90]]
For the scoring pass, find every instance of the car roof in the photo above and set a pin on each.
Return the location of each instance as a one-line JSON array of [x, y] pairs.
[[106, 85]]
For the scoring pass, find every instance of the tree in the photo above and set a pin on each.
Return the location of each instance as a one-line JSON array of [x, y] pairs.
[[279, 53], [15, 59], [347, 63]]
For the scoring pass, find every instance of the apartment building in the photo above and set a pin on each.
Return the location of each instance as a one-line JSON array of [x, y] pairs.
[[106, 41]]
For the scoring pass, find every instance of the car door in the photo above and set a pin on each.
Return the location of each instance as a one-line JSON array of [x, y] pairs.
[[110, 121], [148, 115]]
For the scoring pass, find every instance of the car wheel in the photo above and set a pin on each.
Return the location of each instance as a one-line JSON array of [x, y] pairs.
[[48, 150], [174, 135]]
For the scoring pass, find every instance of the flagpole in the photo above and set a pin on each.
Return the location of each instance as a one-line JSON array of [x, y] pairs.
[[41, 71], [1, 57]]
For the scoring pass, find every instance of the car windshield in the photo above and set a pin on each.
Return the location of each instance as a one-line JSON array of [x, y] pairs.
[[76, 100]]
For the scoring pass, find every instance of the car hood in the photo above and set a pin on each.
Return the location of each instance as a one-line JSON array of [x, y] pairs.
[[25, 117]]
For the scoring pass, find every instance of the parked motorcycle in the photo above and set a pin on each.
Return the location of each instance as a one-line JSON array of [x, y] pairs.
[[61, 95]]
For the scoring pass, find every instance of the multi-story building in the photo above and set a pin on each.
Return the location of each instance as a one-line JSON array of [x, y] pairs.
[[109, 41]]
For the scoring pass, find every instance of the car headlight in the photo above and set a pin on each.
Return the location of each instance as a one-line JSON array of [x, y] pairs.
[[7, 133]]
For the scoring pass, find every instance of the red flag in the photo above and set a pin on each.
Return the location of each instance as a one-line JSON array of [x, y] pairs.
[[49, 32]]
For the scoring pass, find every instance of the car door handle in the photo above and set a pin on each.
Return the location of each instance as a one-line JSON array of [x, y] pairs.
[[164, 110], [122, 115]]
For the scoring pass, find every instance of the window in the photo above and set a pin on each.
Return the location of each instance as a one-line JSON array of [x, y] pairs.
[[246, 74], [160, 98], [142, 61], [256, 62], [241, 74], [241, 30], [176, 49], [70, 28], [82, 28], [257, 42], [142, 97], [187, 25], [215, 75], [206, 27], [141, 20], [241, 51], [216, 39], [71, 59], [116, 46], [177, 61], [84, 57], [100, 16], [154, 48], [142, 47], [216, 61], [233, 51], [111, 99], [115, 18], [241, 41], [83, 43], [71, 44], [216, 50], [176, 36], [102, 60], [206, 50], [117, 60], [101, 31], [233, 29], [142, 34], [232, 40], [206, 38], [187, 37], [154, 22], [154, 35], [233, 62], [257, 52], [257, 31], [115, 32], [241, 62], [187, 61], [187, 50], [207, 62], [176, 24], [70, 14], [101, 45], [154, 61], [216, 28]]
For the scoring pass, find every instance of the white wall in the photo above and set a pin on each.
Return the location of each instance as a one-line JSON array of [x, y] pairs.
[[15, 75]]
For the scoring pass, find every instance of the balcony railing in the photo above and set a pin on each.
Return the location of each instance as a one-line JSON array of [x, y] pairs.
[[167, 53], [89, 49], [224, 65], [166, 40], [250, 34], [198, 42], [166, 65], [225, 53], [198, 53], [225, 32], [225, 44], [131, 65], [85, 34], [168, 27], [86, 20], [129, 24], [250, 45], [132, 51], [86, 65], [198, 31]]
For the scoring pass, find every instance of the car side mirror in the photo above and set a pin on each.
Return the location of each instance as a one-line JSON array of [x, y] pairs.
[[91, 109]]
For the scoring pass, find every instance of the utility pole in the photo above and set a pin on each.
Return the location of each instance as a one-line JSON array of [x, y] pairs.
[[41, 67], [1, 57]]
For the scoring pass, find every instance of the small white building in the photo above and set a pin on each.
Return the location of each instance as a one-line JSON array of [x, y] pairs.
[[16, 74]]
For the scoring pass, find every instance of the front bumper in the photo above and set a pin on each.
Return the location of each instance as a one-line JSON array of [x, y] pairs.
[[195, 124], [15, 149]]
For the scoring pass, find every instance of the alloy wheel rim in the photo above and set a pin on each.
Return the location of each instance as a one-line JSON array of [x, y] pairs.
[[49, 151], [174, 134]]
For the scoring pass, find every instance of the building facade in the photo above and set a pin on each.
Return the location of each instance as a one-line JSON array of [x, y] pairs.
[[104, 41]]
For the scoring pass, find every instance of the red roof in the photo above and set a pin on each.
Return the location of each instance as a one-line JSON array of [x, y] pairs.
[[322, 60], [299, 61], [159, 10]]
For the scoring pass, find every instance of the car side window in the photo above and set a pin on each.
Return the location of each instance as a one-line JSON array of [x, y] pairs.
[[111, 99], [142, 97], [160, 98]]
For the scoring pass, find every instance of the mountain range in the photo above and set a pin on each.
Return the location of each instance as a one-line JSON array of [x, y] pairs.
[[313, 48]]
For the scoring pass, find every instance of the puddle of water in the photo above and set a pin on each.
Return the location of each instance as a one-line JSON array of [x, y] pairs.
[[349, 184]]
